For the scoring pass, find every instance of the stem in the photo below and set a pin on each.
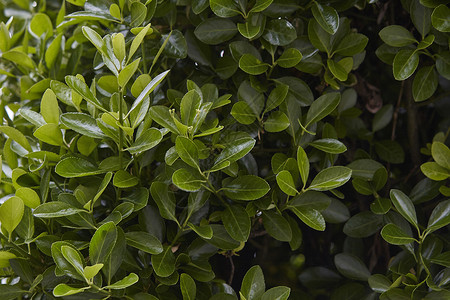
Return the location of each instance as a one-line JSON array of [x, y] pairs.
[[12, 244], [120, 129]]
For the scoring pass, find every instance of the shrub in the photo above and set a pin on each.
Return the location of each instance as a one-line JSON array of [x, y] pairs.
[[166, 149]]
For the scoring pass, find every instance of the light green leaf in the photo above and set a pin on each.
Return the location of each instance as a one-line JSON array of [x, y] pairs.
[[290, 58], [303, 164], [277, 293], [137, 41], [90, 271], [127, 72], [203, 231], [187, 180], [243, 113], [29, 197], [16, 136], [187, 150], [441, 154], [83, 90], [49, 107], [434, 171], [276, 122], [330, 178], [102, 243], [50, 134], [236, 150], [63, 290], [123, 283], [161, 115], [11, 213], [74, 258]]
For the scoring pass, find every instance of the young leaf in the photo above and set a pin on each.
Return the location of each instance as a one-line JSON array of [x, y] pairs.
[[63, 290], [441, 154], [123, 283], [286, 183], [187, 286], [290, 58], [11, 213], [49, 107], [50, 134], [123, 179], [303, 164], [74, 258], [29, 197], [90, 271]]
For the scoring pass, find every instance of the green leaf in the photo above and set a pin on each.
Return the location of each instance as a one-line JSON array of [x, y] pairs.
[[251, 65], [83, 90], [404, 206], [379, 283], [394, 235], [215, 30], [286, 183], [290, 58], [352, 44], [221, 239], [363, 224], [440, 216], [41, 26], [319, 37], [147, 90], [137, 41], [164, 200], [253, 285], [164, 262], [243, 113], [276, 97], [49, 107], [382, 117], [146, 141], [187, 286], [277, 226], [310, 216], [63, 290], [260, 5], [441, 154], [224, 8], [279, 32], [16, 136], [443, 64], [425, 83], [123, 179], [123, 283], [330, 178], [311, 199], [74, 258], [138, 13], [187, 180], [329, 146], [303, 164], [76, 167], [190, 103], [442, 259], [390, 151], [440, 18], [61, 262], [55, 209], [276, 122], [161, 115], [253, 97], [19, 58], [29, 197], [11, 213], [246, 187], [236, 150], [90, 271], [434, 171], [50, 134], [236, 222], [337, 70], [322, 107], [187, 150], [405, 63], [204, 231], [253, 26], [127, 72], [144, 241], [102, 243], [396, 36], [326, 16], [83, 124], [351, 267], [277, 293]]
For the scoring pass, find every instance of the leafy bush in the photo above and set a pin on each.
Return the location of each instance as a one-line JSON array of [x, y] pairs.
[[165, 149]]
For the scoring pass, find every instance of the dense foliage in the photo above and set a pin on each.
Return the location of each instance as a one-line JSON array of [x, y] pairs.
[[179, 149]]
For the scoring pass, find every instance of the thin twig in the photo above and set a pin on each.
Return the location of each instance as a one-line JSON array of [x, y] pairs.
[[397, 108], [230, 279]]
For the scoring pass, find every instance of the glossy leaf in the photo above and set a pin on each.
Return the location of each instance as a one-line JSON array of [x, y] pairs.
[[237, 222], [11, 213], [393, 234], [277, 226], [310, 216], [83, 124], [405, 63], [440, 216], [286, 183], [326, 16], [425, 83], [224, 8], [144, 241], [187, 150], [164, 262], [329, 146], [63, 290], [215, 30], [396, 36], [441, 154], [251, 65], [102, 243], [290, 58], [351, 267], [76, 167], [124, 283], [330, 178], [246, 187], [322, 107], [277, 293], [440, 18], [146, 141], [253, 284], [188, 287], [55, 209], [404, 206]]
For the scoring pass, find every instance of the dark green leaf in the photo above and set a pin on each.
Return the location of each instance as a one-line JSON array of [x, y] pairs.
[[405, 63], [76, 167], [440, 18], [286, 183], [253, 284], [187, 286], [102, 243], [246, 187], [187, 180], [224, 8], [310, 216], [330, 178], [279, 32], [404, 206], [351, 267], [329, 145], [237, 222], [214, 31], [393, 234], [425, 83], [326, 16], [440, 216], [146, 141], [251, 65], [55, 209], [322, 107], [164, 262], [144, 241], [363, 224], [277, 226]]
